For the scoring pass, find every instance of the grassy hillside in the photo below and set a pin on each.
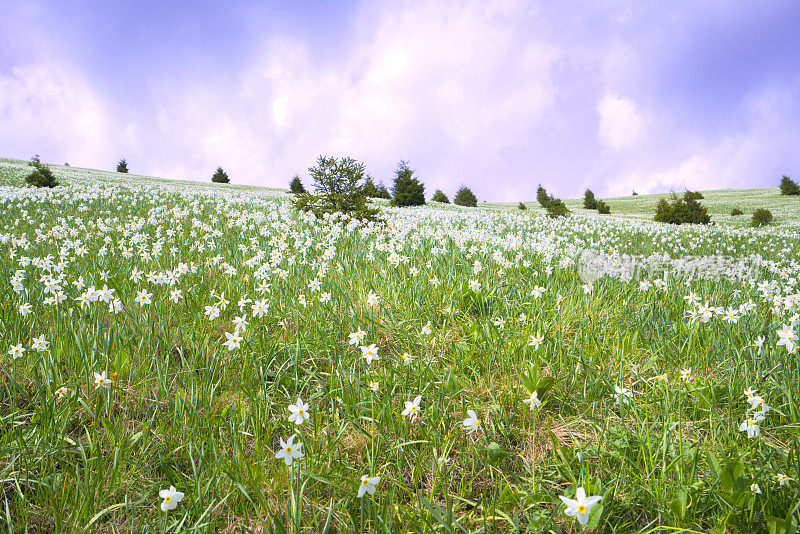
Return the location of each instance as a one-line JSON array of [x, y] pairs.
[[720, 203]]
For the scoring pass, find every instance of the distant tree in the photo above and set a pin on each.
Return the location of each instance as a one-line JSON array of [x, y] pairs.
[[522, 206], [465, 197], [407, 191], [220, 177], [542, 197], [789, 186], [66, 164], [41, 176], [438, 196], [383, 192], [296, 186], [682, 210], [368, 189], [35, 159], [736, 211], [122, 166], [761, 217], [696, 195], [603, 208], [589, 201], [338, 189], [634, 193]]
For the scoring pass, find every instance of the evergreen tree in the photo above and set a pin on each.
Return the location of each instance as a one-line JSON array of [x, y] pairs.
[[589, 201], [603, 208], [296, 186], [789, 186], [407, 191], [383, 192], [42, 176], [368, 189], [338, 189], [220, 177], [680, 210], [556, 208], [438, 196], [542, 197], [465, 197], [122, 166]]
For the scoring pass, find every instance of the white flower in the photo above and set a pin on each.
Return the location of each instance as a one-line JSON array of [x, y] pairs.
[[16, 351], [370, 353], [474, 285], [407, 358], [622, 395], [686, 374], [533, 400], [754, 488], [100, 380], [176, 295], [299, 412], [751, 426], [471, 423], [374, 386], [40, 343], [234, 340], [783, 480], [587, 288], [289, 451], [581, 507], [143, 297], [368, 485], [171, 498], [426, 330], [62, 392], [787, 338], [536, 341], [372, 299], [412, 407], [357, 337]]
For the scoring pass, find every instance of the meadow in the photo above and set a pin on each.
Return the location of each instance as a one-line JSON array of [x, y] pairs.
[[184, 357]]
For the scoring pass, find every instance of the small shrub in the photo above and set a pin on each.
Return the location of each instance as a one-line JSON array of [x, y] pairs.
[[735, 212], [408, 191], [465, 197], [338, 190], [438, 196], [522, 206], [220, 177], [42, 176], [695, 195], [682, 210], [789, 186], [296, 186], [556, 208], [122, 166], [589, 202], [603, 208], [761, 217]]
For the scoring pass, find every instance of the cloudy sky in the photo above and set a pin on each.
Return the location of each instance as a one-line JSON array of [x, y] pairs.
[[497, 95]]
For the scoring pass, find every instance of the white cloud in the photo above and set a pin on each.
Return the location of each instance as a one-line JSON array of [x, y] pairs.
[[621, 126], [46, 109]]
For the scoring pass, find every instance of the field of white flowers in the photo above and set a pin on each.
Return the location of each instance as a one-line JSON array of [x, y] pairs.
[[200, 358]]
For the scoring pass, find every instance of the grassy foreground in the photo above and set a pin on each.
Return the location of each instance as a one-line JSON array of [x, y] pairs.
[[163, 334]]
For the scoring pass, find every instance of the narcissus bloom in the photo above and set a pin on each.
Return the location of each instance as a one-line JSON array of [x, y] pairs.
[[533, 400], [370, 353], [100, 380], [471, 423], [368, 484], [299, 412], [289, 450], [171, 498], [581, 506], [412, 407]]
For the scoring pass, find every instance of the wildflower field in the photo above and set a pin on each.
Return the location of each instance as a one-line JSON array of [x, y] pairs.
[[188, 357]]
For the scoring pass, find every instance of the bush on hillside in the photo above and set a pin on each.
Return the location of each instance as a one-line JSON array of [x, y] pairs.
[[789, 186], [682, 210], [589, 202], [761, 217], [465, 197], [556, 208], [522, 206], [41, 176], [736, 211], [438, 196], [603, 208], [220, 177], [407, 191]]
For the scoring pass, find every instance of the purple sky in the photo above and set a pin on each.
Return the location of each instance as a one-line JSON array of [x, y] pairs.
[[499, 96]]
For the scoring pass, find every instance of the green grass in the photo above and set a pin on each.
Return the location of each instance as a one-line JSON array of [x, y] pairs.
[[185, 411]]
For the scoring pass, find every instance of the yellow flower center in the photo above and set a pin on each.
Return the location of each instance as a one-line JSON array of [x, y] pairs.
[[301, 412], [167, 498], [289, 449], [581, 509], [365, 482]]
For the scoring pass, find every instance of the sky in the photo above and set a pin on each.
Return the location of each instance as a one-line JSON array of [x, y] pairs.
[[499, 96]]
